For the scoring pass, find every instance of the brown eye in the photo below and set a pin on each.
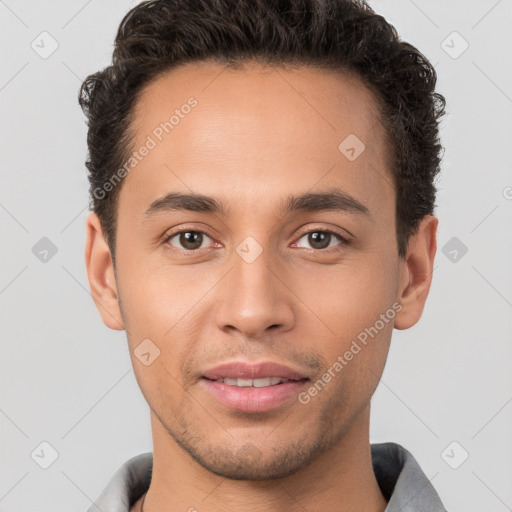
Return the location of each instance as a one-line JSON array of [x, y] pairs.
[[188, 240], [321, 239]]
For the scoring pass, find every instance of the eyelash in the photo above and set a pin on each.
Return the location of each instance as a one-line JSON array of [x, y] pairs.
[[342, 239]]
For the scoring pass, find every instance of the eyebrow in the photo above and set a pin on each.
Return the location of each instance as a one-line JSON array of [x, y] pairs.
[[330, 200]]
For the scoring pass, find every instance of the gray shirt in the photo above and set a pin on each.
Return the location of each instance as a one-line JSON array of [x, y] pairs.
[[399, 476]]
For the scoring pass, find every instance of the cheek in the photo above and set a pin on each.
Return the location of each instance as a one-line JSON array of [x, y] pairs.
[[158, 364], [160, 385], [349, 296], [351, 375], [349, 312], [156, 297], [164, 318]]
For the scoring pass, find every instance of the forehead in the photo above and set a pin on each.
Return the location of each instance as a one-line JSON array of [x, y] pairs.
[[267, 127], [262, 92]]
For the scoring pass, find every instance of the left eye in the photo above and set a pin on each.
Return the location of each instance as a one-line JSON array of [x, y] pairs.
[[322, 239]]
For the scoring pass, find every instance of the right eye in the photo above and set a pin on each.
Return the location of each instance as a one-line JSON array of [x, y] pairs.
[[190, 240]]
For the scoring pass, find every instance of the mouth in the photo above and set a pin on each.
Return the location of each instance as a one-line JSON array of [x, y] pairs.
[[254, 395], [255, 383]]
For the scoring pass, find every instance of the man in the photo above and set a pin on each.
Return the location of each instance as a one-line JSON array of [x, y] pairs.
[[262, 190]]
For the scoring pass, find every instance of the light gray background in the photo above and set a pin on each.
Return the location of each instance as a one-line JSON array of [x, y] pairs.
[[67, 380]]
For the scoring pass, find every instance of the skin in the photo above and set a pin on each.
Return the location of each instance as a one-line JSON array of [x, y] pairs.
[[257, 136]]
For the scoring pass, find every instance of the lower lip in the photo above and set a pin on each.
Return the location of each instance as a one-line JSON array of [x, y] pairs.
[[249, 399]]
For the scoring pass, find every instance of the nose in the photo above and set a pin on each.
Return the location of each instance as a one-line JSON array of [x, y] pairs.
[[255, 298]]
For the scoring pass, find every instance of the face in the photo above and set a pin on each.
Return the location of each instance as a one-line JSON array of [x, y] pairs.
[[262, 277]]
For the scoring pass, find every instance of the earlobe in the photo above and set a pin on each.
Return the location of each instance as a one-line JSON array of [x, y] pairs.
[[100, 273], [416, 273]]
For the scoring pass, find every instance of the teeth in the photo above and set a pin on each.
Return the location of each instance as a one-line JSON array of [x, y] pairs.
[[257, 383]]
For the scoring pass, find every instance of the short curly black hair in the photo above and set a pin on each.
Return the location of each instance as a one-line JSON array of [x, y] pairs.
[[344, 35]]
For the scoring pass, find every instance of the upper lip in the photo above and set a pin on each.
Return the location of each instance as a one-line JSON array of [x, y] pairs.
[[244, 370]]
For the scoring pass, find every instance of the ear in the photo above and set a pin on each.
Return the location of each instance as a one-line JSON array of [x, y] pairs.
[[416, 273], [100, 272]]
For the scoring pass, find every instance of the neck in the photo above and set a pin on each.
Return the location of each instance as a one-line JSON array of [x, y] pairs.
[[341, 479]]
